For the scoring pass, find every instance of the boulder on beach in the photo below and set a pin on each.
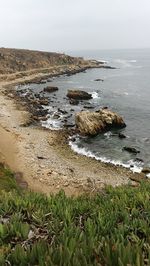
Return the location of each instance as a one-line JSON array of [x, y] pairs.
[[50, 89], [79, 95], [92, 123]]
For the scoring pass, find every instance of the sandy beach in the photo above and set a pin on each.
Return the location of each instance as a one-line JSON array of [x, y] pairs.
[[44, 158]]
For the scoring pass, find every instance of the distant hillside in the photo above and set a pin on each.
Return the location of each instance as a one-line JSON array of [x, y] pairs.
[[14, 60]]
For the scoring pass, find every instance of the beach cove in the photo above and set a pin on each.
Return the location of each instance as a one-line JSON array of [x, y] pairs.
[[43, 156]]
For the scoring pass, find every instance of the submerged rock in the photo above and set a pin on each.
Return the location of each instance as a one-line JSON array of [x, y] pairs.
[[139, 160], [131, 150], [50, 89], [74, 101], [98, 80], [79, 95], [121, 136], [92, 123], [62, 111], [109, 67]]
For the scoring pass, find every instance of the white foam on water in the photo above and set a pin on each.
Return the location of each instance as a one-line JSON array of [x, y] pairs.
[[94, 95], [108, 134], [125, 62], [49, 108], [137, 166], [133, 61], [24, 94], [51, 124], [103, 61], [148, 175], [83, 151]]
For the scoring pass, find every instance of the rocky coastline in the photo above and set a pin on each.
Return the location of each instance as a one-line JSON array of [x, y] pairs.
[[35, 101], [45, 154]]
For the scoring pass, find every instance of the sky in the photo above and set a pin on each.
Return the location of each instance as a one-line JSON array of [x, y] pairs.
[[63, 25]]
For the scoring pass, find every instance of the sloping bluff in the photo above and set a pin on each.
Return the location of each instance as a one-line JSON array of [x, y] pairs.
[[92, 123]]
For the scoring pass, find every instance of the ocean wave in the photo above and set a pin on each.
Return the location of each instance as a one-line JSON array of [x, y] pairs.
[[135, 167]]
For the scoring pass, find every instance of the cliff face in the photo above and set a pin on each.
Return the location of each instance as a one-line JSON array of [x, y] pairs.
[[14, 60]]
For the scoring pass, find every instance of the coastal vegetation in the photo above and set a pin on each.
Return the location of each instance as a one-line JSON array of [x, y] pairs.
[[109, 228]]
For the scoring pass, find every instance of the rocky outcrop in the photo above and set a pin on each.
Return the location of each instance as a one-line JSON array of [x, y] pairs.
[[109, 67], [50, 89], [92, 123], [79, 95]]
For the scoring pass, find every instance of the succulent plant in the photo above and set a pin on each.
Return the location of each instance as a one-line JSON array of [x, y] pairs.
[[108, 229]]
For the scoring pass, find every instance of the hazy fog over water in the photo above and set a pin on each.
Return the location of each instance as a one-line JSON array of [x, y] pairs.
[[63, 25]]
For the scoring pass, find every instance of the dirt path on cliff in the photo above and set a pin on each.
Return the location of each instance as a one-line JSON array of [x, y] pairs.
[[45, 160]]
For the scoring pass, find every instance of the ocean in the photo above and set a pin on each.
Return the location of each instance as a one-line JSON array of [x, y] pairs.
[[125, 90]]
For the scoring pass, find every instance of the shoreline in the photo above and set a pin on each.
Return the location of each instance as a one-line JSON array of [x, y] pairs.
[[44, 157]]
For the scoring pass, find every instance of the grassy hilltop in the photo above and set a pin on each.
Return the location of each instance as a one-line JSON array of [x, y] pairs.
[[110, 228]]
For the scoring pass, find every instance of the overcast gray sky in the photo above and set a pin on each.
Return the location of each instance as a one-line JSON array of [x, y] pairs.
[[61, 25]]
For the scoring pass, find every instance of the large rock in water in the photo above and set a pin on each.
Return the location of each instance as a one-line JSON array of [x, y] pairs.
[[92, 123], [79, 95]]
